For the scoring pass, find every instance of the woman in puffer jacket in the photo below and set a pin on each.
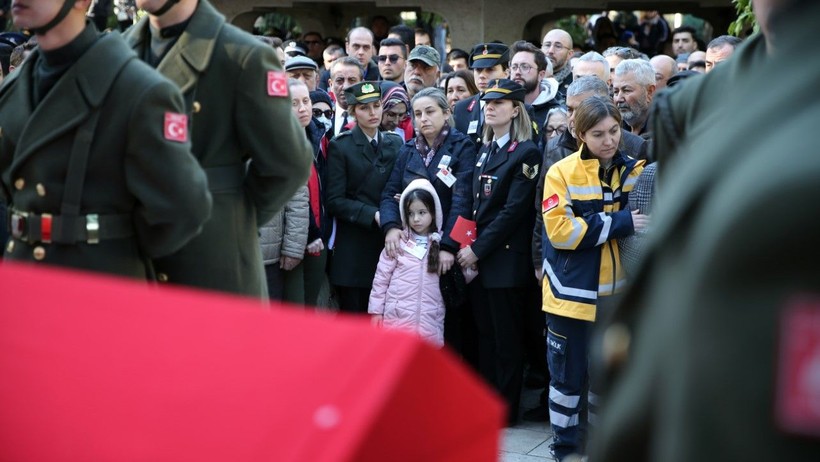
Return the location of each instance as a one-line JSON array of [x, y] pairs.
[[406, 294], [283, 240]]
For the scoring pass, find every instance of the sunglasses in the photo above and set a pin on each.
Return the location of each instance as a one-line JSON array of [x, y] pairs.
[[393, 58], [319, 112]]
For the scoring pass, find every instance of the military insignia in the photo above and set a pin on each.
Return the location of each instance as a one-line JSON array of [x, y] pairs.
[[368, 88], [512, 148], [471, 106], [535, 128], [485, 50], [488, 188], [176, 127], [549, 203], [277, 83], [530, 171]]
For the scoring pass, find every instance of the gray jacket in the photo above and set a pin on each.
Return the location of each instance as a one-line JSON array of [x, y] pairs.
[[287, 232]]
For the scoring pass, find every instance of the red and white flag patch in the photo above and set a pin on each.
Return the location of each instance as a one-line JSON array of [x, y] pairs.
[[277, 83], [797, 400], [176, 127], [549, 203]]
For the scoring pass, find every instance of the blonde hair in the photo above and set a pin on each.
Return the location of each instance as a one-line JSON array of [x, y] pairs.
[[520, 126]]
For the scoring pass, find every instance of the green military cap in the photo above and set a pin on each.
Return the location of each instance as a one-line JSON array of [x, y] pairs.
[[504, 89], [426, 54], [363, 93], [486, 55]]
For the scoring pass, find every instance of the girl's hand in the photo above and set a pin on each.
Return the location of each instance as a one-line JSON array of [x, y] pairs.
[[377, 320], [315, 247], [288, 263], [639, 222], [466, 257], [445, 261], [392, 243]]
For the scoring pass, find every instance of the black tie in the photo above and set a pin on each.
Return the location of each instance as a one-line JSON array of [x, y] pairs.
[[344, 121], [375, 145], [490, 154]]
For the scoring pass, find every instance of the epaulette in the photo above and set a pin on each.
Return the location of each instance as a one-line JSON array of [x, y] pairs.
[[342, 135]]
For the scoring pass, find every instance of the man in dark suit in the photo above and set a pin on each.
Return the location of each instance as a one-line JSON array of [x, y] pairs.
[[244, 136], [488, 61], [94, 152]]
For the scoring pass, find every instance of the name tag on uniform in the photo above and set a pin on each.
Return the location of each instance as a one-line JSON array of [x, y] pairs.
[[472, 128], [446, 176], [445, 162], [414, 250], [481, 160]]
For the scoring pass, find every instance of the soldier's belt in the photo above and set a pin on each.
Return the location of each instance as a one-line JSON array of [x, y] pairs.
[[225, 178], [47, 228]]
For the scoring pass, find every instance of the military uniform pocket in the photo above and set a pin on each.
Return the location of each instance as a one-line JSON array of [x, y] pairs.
[[556, 355]]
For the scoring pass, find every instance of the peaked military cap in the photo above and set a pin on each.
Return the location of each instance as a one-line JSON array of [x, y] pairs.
[[363, 93], [300, 62], [486, 55], [504, 89]]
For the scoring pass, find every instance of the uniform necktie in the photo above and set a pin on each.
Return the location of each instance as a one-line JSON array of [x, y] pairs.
[[490, 154], [375, 144], [344, 121]]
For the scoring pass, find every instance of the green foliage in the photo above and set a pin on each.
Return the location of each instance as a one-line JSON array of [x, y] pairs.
[[575, 30], [745, 18]]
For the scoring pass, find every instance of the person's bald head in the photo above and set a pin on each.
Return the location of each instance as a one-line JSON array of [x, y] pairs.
[[557, 45], [665, 67]]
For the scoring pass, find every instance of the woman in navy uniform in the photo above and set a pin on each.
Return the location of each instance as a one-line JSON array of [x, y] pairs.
[[359, 163], [503, 190]]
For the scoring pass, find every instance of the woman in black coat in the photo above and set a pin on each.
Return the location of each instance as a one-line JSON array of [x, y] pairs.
[[359, 163]]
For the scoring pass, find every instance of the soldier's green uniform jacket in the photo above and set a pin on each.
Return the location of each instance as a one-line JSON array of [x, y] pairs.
[[142, 196], [236, 95], [733, 241], [356, 178]]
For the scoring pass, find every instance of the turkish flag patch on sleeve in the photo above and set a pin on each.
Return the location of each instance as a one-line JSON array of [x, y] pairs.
[[176, 127], [277, 83], [797, 399], [549, 203]]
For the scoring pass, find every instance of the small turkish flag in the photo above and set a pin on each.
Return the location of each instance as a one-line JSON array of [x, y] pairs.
[[176, 127], [549, 203], [797, 403], [464, 231], [277, 83]]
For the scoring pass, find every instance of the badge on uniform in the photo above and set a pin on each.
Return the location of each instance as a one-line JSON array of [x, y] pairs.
[[797, 398], [176, 127], [549, 203], [472, 128], [530, 171], [277, 83], [446, 176], [481, 159], [488, 184]]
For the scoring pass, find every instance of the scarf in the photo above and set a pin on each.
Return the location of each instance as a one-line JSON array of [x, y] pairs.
[[428, 152]]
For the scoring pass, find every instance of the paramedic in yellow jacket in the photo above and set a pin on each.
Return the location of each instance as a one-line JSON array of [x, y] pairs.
[[584, 208]]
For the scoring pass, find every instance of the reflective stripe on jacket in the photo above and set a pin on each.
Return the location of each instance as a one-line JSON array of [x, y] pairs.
[[584, 211]]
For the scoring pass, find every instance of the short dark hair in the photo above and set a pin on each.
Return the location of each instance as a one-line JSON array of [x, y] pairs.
[[724, 40], [427, 32], [458, 53], [347, 61], [523, 45], [394, 42], [691, 30], [408, 36]]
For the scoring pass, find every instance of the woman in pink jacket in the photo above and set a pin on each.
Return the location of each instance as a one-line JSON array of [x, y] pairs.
[[406, 293]]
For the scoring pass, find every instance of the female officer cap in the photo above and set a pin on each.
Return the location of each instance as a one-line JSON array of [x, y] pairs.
[[504, 89], [363, 93]]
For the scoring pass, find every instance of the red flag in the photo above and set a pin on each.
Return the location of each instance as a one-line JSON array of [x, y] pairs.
[[100, 368], [464, 231]]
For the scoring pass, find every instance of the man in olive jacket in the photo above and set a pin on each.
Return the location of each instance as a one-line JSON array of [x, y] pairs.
[[236, 95], [95, 164]]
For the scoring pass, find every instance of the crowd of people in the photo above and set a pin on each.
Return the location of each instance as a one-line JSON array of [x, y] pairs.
[[496, 201]]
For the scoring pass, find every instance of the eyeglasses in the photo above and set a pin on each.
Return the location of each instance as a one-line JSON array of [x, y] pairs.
[[523, 67], [393, 58], [400, 116], [560, 129], [318, 113], [556, 45]]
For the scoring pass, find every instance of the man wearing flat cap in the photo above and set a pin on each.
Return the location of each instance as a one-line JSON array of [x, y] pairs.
[[422, 69], [488, 61], [304, 69]]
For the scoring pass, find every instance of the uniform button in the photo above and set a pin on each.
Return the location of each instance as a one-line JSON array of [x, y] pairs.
[[39, 253], [41, 190], [474, 212], [197, 107], [476, 195], [10, 247], [1, 132], [162, 277], [19, 184], [507, 246], [616, 345]]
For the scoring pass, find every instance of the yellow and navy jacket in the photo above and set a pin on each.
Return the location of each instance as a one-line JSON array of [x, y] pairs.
[[584, 209]]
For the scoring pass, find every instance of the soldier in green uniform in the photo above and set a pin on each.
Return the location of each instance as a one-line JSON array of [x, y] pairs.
[[94, 155], [243, 134], [705, 349], [359, 163]]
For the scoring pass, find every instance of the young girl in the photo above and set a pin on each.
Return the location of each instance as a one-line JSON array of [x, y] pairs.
[[406, 292]]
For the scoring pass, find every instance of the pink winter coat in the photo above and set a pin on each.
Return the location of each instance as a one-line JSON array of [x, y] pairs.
[[404, 292], [408, 296]]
